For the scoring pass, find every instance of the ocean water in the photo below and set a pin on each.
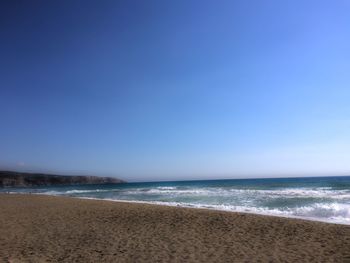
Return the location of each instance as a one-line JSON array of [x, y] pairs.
[[318, 198]]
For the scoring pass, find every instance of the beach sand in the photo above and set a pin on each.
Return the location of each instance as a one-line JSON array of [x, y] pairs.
[[36, 228]]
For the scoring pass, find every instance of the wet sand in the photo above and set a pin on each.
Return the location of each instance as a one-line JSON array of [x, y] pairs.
[[36, 228]]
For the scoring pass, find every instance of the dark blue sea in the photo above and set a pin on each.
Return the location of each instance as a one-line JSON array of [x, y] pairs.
[[316, 198]]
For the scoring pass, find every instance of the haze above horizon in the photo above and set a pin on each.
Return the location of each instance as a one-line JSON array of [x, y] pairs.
[[175, 90]]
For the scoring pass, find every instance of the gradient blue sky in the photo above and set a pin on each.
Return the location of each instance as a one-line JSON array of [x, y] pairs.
[[166, 90]]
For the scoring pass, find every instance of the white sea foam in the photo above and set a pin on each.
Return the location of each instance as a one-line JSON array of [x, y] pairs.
[[285, 193], [331, 213], [50, 193], [166, 187], [86, 191], [315, 203]]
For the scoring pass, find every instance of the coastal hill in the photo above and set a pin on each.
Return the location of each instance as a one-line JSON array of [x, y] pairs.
[[19, 179]]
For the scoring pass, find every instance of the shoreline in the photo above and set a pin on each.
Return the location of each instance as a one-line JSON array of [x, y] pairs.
[[41, 228], [168, 204]]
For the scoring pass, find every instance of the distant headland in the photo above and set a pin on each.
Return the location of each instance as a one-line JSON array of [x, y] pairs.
[[20, 179]]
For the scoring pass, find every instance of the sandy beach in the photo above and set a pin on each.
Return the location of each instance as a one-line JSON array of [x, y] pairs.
[[36, 228]]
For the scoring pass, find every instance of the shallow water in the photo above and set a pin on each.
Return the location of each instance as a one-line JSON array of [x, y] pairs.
[[318, 198]]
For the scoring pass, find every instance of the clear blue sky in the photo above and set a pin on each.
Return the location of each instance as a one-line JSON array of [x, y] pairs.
[[166, 90]]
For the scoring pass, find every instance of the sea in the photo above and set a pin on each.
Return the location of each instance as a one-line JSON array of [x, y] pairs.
[[314, 198]]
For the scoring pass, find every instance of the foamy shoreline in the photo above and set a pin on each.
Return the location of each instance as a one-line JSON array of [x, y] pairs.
[[183, 205], [216, 209]]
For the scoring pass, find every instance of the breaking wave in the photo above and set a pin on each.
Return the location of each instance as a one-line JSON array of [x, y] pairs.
[[329, 202]]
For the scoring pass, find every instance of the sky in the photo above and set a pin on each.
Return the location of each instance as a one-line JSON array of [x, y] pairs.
[[174, 90]]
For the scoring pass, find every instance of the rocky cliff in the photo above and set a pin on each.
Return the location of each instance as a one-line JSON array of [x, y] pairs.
[[18, 179]]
